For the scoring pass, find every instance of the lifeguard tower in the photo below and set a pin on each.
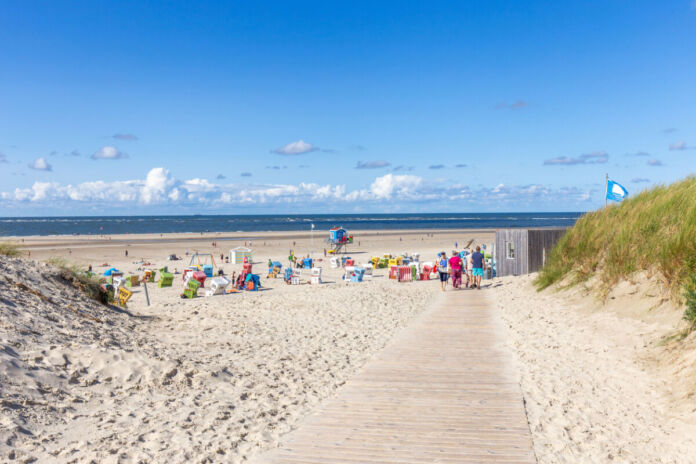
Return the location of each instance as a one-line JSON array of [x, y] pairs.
[[338, 240]]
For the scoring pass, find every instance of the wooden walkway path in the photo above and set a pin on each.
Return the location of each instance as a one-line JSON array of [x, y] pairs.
[[443, 391]]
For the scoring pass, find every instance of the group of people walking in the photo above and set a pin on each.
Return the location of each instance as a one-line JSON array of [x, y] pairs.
[[470, 267]]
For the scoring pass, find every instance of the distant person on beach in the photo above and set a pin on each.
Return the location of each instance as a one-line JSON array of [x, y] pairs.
[[479, 264], [469, 269], [442, 269], [126, 253], [455, 264]]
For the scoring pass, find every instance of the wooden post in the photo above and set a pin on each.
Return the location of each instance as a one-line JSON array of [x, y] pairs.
[[147, 296]]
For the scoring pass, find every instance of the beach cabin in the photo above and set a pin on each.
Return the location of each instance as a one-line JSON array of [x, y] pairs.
[[238, 254], [523, 251]]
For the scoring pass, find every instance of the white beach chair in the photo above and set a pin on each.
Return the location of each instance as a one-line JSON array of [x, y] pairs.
[[295, 279], [316, 276], [335, 262], [368, 271], [118, 282], [218, 285], [348, 272]]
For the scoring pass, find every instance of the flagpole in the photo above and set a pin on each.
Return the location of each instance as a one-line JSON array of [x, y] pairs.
[[606, 186]]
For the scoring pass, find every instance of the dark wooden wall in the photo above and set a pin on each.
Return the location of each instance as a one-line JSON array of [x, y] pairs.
[[540, 242], [532, 247], [517, 266]]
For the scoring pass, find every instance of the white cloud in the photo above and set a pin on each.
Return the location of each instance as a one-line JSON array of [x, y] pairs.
[[296, 148], [108, 152], [157, 185], [3, 158], [372, 164], [40, 164], [655, 163], [596, 157], [389, 185], [128, 137], [680, 145]]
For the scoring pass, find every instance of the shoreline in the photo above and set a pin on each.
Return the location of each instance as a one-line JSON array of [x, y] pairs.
[[37, 242]]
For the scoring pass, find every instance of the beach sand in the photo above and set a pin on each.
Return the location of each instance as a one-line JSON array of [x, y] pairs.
[[214, 379], [599, 382], [220, 379]]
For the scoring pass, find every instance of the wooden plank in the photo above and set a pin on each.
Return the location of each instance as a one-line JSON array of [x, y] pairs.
[[442, 391]]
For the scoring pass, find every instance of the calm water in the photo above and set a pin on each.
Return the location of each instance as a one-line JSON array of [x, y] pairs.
[[167, 224]]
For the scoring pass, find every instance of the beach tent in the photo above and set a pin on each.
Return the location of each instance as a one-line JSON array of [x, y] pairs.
[[238, 254]]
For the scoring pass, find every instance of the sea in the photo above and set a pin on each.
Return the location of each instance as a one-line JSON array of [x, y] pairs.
[[107, 225]]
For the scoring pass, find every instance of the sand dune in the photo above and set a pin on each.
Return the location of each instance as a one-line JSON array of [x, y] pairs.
[[590, 376]]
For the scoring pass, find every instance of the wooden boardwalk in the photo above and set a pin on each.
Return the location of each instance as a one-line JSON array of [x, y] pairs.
[[443, 391]]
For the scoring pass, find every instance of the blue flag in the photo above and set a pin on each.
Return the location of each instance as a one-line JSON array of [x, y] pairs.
[[616, 191]]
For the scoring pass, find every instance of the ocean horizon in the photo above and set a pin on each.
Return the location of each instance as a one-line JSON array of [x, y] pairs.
[[106, 225]]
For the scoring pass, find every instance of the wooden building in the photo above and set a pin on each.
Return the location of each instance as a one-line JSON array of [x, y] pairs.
[[523, 251]]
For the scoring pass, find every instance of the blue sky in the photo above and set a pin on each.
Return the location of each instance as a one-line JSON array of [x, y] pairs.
[[260, 107]]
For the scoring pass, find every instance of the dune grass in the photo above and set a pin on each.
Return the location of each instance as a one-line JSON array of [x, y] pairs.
[[9, 249], [653, 231], [80, 279]]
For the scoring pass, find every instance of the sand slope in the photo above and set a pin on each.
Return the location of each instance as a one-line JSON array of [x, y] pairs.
[[593, 390]]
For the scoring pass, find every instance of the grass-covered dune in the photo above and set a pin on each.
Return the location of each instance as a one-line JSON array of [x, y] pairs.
[[653, 231]]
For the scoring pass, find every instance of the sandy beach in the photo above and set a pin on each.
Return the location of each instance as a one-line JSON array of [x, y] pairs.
[[215, 379], [221, 379]]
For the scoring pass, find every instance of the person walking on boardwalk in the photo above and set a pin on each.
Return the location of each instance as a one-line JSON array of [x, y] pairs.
[[468, 268], [455, 264], [442, 269], [479, 264]]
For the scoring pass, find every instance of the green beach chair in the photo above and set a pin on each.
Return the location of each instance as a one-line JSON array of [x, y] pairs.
[[192, 288], [166, 279]]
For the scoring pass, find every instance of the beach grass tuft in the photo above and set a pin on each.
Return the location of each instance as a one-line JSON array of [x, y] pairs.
[[654, 231], [690, 301], [9, 249], [80, 279]]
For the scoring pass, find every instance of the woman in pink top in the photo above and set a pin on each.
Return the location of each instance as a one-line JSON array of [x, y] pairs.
[[455, 264]]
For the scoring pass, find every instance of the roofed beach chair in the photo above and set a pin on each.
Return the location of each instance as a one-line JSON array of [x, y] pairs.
[[218, 286], [191, 290], [166, 279], [316, 276]]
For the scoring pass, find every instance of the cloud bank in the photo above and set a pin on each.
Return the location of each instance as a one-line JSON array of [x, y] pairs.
[[160, 188]]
